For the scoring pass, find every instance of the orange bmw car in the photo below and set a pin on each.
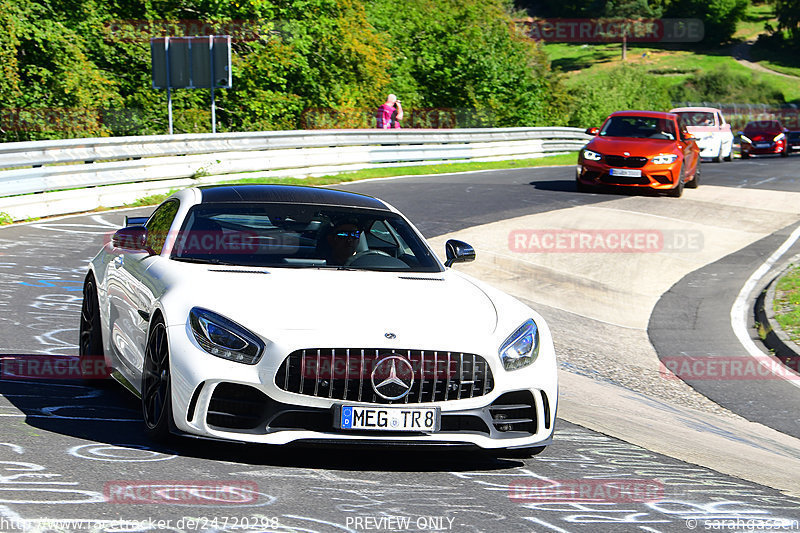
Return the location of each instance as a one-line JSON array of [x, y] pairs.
[[645, 149]]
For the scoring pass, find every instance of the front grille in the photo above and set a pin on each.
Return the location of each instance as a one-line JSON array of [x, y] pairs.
[[628, 162], [346, 374]]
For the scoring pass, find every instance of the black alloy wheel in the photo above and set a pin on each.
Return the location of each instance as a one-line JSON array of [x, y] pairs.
[[156, 384], [90, 337], [696, 180], [677, 191]]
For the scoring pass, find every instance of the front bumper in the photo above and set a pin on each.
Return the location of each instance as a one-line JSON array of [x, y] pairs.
[[659, 177], [769, 148], [709, 147], [215, 398]]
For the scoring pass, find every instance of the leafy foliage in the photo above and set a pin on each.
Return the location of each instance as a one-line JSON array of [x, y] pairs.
[[724, 85], [82, 67], [625, 87]]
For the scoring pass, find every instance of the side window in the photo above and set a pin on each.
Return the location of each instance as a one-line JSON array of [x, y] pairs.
[[158, 225]]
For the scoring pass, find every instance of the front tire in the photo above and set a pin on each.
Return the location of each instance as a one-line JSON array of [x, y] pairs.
[[677, 191], [157, 384], [91, 357], [729, 157], [696, 179]]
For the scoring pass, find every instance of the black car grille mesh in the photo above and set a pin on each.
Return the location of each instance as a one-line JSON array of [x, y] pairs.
[[628, 162], [346, 374]]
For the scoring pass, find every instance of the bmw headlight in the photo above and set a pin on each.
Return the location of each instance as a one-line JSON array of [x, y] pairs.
[[522, 347], [664, 159], [224, 338], [591, 156]]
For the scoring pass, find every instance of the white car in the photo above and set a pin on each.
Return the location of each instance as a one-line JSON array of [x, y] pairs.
[[713, 135], [273, 314]]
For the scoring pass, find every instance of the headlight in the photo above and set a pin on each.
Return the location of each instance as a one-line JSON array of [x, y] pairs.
[[664, 159], [224, 338], [592, 156], [522, 347], [779, 137], [746, 139]]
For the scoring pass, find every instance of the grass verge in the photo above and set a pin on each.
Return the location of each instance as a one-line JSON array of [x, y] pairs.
[[787, 303]]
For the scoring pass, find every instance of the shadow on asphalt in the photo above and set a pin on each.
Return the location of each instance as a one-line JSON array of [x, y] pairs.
[[569, 186], [109, 414]]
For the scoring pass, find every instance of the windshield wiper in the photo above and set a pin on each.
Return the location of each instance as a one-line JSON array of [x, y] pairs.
[[206, 261]]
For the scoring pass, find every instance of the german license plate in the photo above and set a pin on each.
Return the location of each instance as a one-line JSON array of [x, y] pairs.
[[427, 419], [626, 172]]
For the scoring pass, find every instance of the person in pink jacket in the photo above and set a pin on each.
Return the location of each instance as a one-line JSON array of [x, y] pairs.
[[389, 114]]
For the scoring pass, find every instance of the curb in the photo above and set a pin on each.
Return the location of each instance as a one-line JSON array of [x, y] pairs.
[[776, 339]]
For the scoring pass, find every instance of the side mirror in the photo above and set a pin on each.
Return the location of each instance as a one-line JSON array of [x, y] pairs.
[[130, 238], [592, 131], [135, 221], [458, 252]]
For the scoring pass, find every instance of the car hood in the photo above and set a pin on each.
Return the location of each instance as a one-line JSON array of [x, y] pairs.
[[636, 147], [338, 301]]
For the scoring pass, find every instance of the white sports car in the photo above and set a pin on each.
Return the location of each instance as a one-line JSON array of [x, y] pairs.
[[274, 314], [707, 124]]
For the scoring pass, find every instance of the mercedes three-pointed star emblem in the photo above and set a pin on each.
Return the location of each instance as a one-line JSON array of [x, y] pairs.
[[396, 376]]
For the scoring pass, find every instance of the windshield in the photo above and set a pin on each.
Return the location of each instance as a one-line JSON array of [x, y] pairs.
[[301, 236], [697, 118], [639, 127]]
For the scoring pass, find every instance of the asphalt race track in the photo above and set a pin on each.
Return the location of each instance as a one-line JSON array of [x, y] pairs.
[[73, 457]]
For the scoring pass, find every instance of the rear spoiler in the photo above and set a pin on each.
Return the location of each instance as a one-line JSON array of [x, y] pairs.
[[135, 221]]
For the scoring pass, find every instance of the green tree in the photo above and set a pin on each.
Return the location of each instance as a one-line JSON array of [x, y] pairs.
[[788, 14], [719, 16], [630, 11]]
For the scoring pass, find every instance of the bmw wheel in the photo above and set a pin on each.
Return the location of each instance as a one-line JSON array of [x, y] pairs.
[[156, 384], [90, 338], [677, 191], [696, 179]]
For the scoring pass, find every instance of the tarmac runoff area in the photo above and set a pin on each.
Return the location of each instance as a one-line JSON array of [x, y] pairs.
[[569, 266]]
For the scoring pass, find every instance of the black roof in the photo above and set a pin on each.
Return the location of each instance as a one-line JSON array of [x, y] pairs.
[[288, 194]]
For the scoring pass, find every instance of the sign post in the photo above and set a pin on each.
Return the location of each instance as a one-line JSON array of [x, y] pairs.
[[192, 63]]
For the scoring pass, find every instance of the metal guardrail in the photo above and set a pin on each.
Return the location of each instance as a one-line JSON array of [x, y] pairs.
[[160, 160]]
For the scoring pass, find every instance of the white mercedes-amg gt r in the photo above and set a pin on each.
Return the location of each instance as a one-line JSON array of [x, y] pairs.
[[274, 314]]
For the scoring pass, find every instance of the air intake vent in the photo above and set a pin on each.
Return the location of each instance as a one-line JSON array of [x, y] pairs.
[[514, 411]]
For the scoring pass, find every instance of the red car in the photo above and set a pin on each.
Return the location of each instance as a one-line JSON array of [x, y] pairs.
[[764, 137], [645, 149]]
